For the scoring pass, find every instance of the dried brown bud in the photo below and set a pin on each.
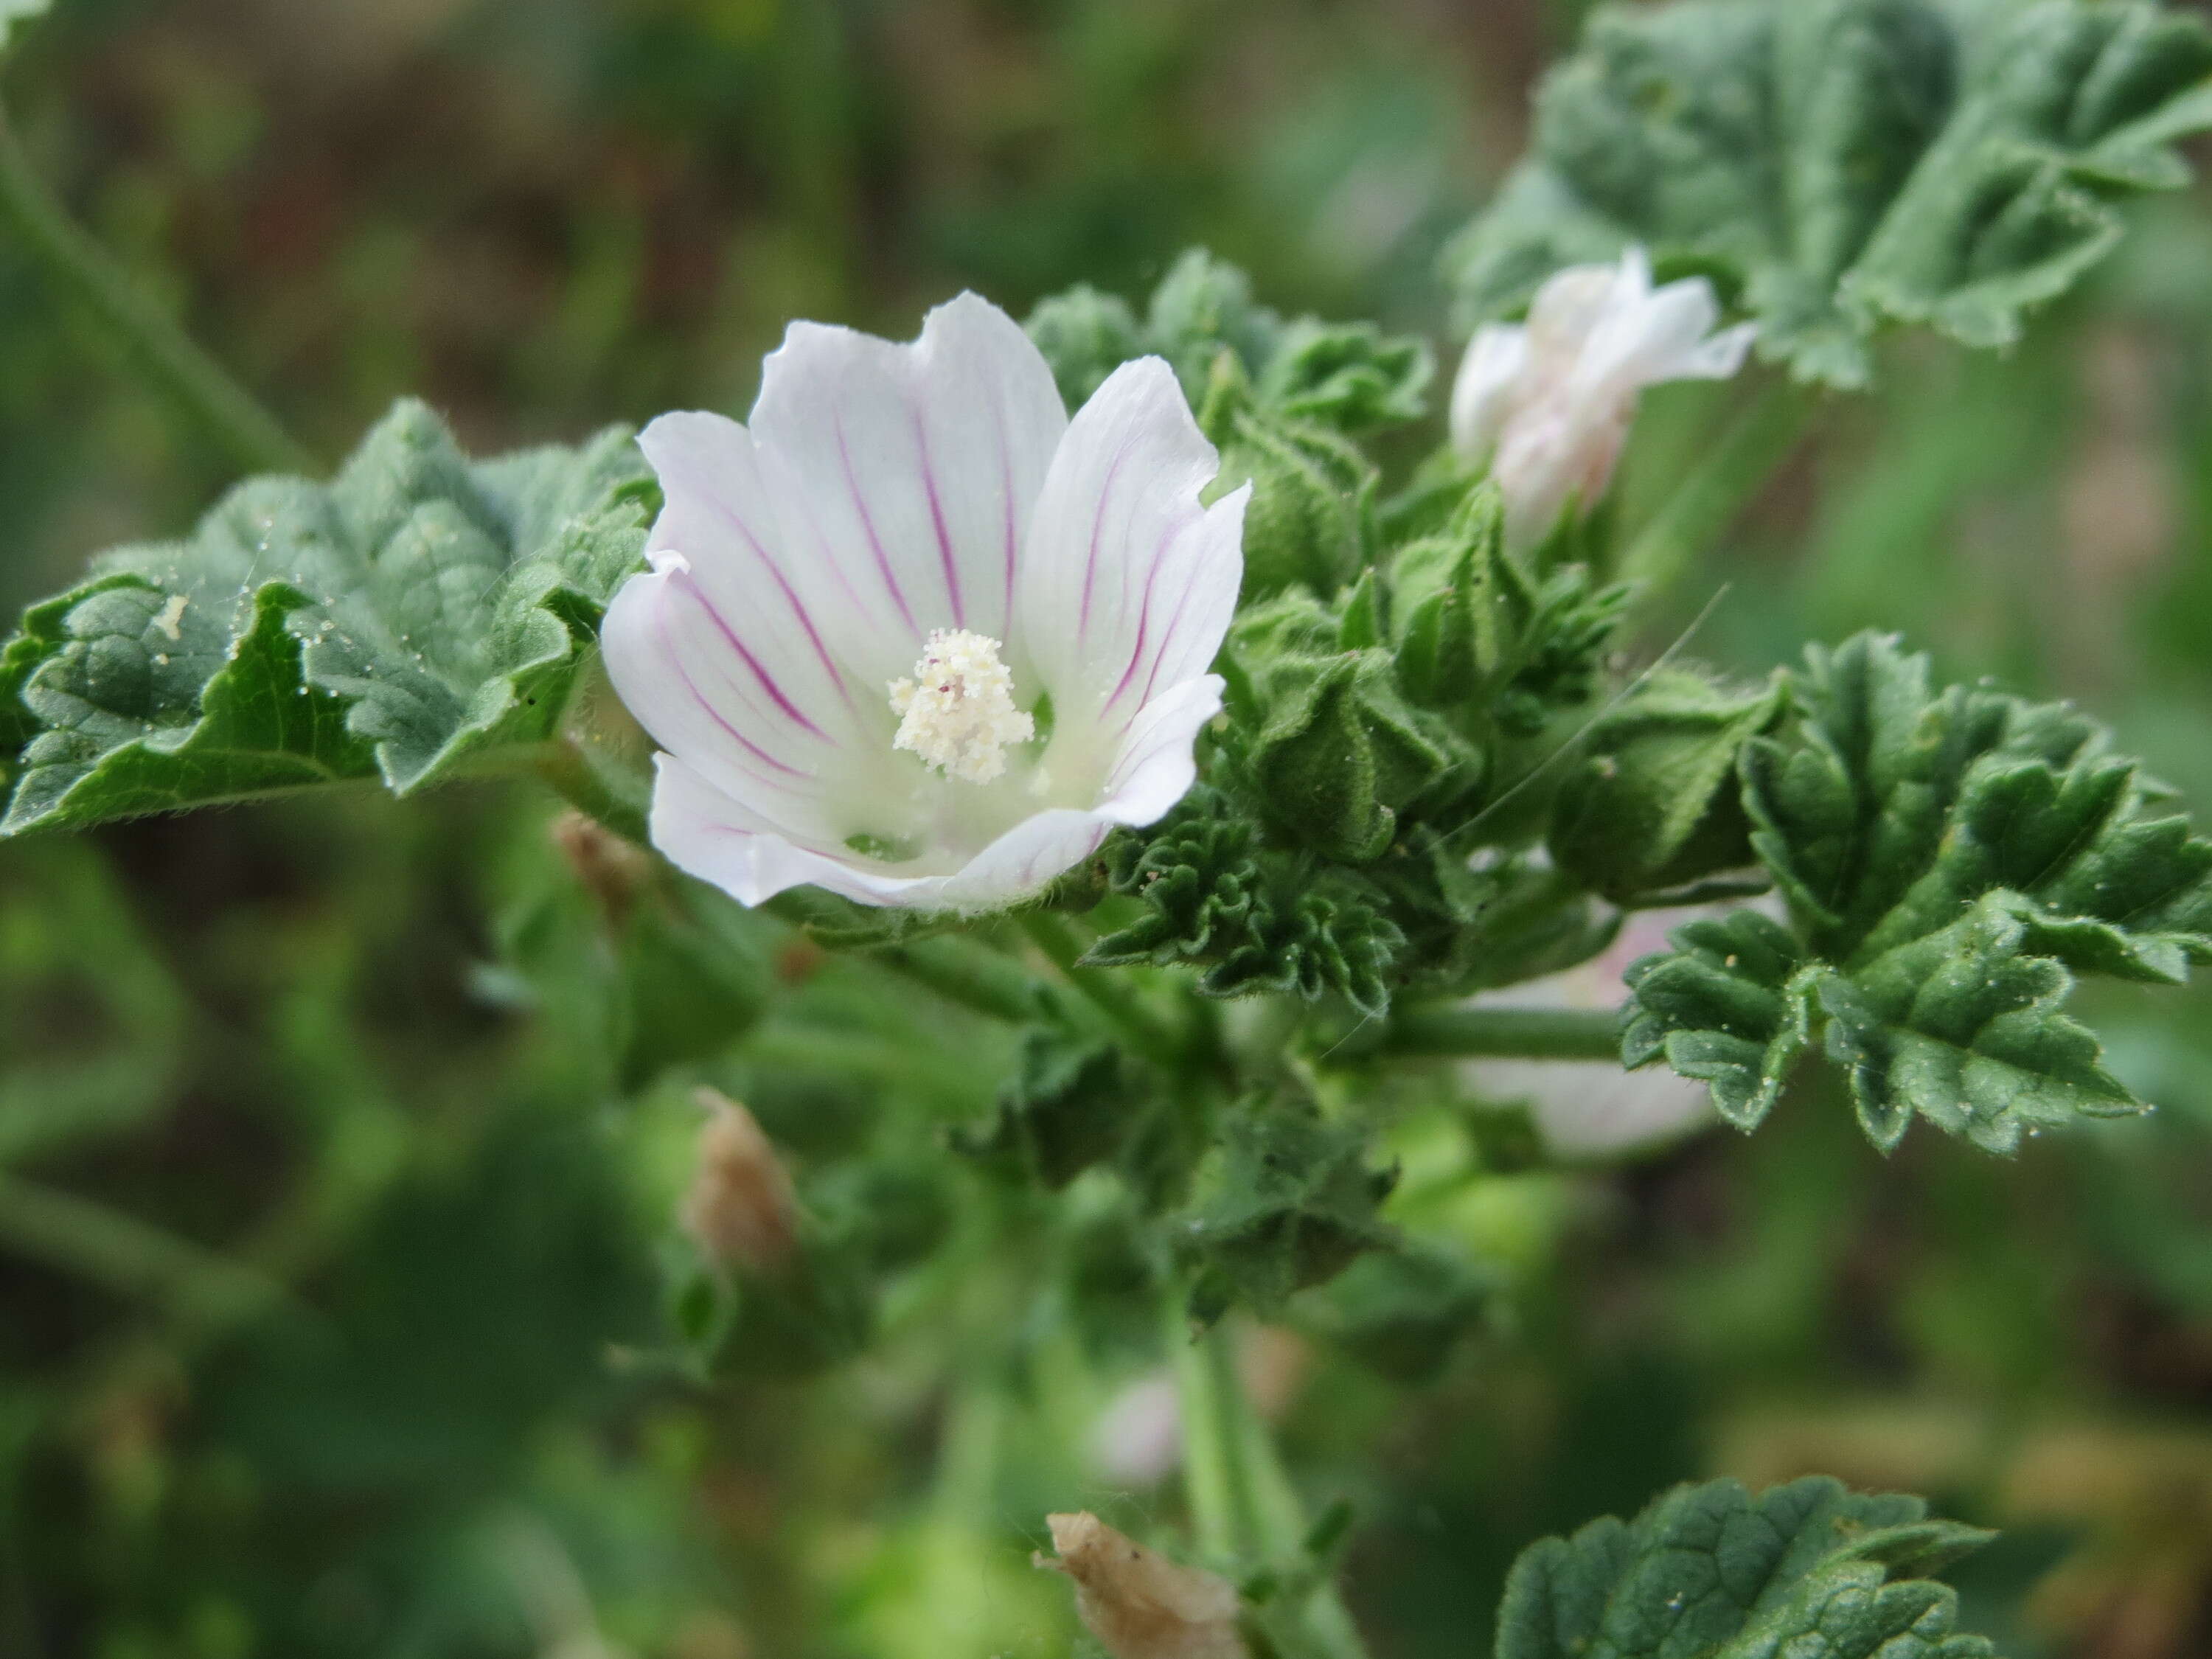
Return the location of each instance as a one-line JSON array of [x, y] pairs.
[[1139, 1604], [741, 1209], [613, 871]]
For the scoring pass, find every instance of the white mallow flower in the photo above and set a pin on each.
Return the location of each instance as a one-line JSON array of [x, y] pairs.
[[1547, 403], [913, 635]]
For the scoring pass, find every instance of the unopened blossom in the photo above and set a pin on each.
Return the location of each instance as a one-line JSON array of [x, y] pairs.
[[1548, 403], [1137, 1603], [912, 634], [740, 1208]]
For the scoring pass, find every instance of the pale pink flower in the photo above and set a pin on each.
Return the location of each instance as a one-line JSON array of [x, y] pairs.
[[1548, 403], [913, 635]]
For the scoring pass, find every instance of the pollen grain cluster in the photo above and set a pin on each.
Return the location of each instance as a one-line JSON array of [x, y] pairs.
[[957, 712]]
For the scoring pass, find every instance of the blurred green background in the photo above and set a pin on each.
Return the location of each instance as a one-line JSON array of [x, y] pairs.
[[333, 1201]]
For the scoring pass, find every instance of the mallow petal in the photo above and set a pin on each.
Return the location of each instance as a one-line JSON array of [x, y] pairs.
[[904, 474], [677, 671], [1489, 379], [1157, 763], [718, 528], [1129, 583], [723, 841], [892, 504]]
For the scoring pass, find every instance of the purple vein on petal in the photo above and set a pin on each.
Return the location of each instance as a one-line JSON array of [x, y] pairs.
[[936, 518], [1098, 526], [736, 522], [768, 683], [875, 542], [676, 661], [1175, 623], [1144, 611], [1005, 493]]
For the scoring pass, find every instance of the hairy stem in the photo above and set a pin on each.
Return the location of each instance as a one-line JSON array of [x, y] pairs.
[[80, 266], [1738, 464], [1242, 1501], [1506, 1033], [1216, 1465], [571, 769]]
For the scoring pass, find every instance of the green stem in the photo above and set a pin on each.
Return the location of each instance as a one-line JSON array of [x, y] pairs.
[[1706, 502], [1216, 1467], [1113, 996], [80, 266], [574, 772], [127, 1254], [1506, 1033], [1242, 1501], [971, 974]]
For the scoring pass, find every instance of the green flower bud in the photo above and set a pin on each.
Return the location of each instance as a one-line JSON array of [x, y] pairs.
[[1312, 502], [1085, 336], [1655, 807], [1458, 606], [1348, 376], [1201, 306], [1341, 754]]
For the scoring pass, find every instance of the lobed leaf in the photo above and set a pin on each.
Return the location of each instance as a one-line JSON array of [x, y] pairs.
[[404, 621], [1950, 861], [1840, 164], [1344, 377], [1806, 1571]]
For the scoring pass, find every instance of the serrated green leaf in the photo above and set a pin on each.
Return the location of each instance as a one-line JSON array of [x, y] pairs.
[[1950, 860], [1731, 1006], [1288, 1202], [1255, 922], [1351, 377], [1806, 1571], [402, 622], [1838, 164], [1071, 1103]]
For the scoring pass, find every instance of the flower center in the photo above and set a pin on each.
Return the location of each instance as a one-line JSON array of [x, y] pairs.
[[957, 712]]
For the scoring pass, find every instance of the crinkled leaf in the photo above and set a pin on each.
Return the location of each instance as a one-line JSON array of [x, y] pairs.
[[1888, 809], [1288, 1202], [1071, 1103], [1839, 164], [1347, 377], [1729, 1006], [1253, 921], [1950, 860], [1806, 1571], [402, 622]]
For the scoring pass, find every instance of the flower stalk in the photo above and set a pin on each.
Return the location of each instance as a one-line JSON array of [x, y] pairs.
[[1505, 1033], [1242, 1501], [81, 267]]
